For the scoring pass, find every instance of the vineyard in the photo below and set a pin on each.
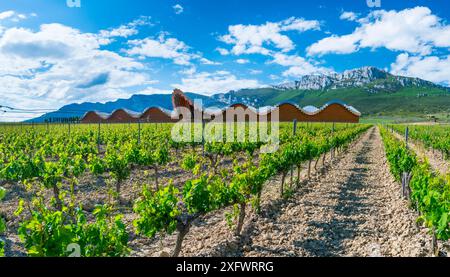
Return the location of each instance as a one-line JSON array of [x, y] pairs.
[[132, 190]]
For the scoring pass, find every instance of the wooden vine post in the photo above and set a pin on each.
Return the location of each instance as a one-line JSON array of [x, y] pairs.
[[139, 131], [406, 136], [203, 137], [332, 149], [434, 243], [295, 127], [98, 137], [406, 190], [406, 176], [294, 131]]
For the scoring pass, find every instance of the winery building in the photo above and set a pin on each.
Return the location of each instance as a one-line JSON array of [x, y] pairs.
[[334, 111]]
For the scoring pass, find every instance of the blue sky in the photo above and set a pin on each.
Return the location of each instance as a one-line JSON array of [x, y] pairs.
[[52, 55]]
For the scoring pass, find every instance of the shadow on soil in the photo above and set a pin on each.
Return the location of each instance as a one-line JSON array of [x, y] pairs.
[[342, 227]]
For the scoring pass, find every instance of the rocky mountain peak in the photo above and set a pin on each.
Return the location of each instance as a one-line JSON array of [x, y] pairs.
[[353, 78]]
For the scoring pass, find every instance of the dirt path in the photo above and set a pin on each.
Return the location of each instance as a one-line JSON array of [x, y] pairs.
[[437, 162], [354, 210]]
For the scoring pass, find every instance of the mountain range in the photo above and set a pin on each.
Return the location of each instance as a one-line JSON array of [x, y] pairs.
[[370, 90]]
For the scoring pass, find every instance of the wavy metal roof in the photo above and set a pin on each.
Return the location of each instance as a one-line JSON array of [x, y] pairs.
[[308, 110]]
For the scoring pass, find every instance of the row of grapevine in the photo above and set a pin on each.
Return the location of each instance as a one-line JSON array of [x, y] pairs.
[[2, 225], [432, 137], [430, 192]]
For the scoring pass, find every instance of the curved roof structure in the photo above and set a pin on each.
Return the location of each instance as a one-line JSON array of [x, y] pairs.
[[156, 115], [333, 111]]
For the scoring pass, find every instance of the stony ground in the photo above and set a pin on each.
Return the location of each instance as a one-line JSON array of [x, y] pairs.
[[349, 207]]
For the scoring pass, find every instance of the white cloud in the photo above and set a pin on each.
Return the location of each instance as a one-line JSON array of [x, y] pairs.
[[56, 65], [350, 16], [274, 77], [178, 9], [298, 66], [242, 61], [222, 51], [126, 30], [216, 82], [414, 30], [335, 44], [152, 90], [6, 14], [431, 68], [255, 39], [189, 71], [208, 62], [255, 71], [12, 15], [162, 47], [165, 48], [299, 24]]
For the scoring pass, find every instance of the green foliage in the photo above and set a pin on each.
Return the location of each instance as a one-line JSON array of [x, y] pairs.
[[96, 165], [2, 224], [2, 193], [157, 211], [399, 157], [49, 233], [430, 193], [232, 216], [117, 164], [191, 163], [204, 194], [106, 236]]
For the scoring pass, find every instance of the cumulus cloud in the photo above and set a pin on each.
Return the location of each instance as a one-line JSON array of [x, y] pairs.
[[431, 68], [414, 30], [152, 90], [208, 62], [56, 65], [126, 30], [350, 16], [215, 82], [335, 44], [256, 39], [178, 9], [255, 71], [222, 51], [242, 61], [298, 66], [274, 77], [165, 48], [7, 14], [12, 15], [299, 24]]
